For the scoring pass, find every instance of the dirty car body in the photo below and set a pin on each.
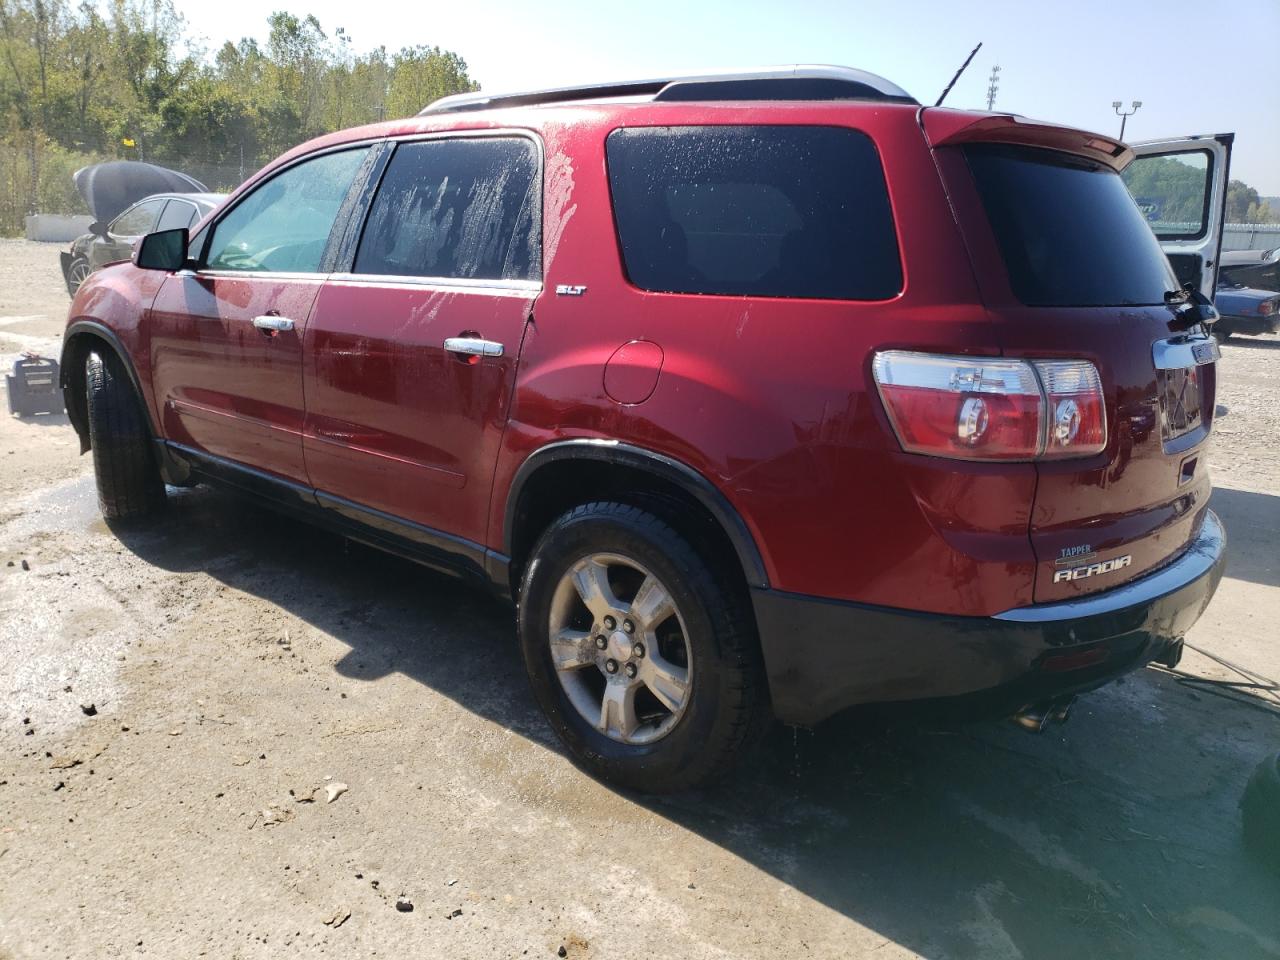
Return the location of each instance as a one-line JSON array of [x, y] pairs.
[[924, 413]]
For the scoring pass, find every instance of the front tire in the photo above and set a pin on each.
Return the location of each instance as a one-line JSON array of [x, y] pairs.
[[124, 464], [642, 654]]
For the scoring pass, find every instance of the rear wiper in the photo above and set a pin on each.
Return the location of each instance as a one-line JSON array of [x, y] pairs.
[[1190, 308]]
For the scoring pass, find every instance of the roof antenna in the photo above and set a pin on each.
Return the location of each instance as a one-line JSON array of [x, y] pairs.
[[957, 76]]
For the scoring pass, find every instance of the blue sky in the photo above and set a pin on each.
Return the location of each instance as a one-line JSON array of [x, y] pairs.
[[1196, 67]]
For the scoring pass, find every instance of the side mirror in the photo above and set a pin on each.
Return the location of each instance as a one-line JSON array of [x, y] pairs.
[[164, 250], [98, 229]]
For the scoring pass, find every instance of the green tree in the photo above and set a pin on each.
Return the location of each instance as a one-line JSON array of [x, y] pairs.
[[82, 80]]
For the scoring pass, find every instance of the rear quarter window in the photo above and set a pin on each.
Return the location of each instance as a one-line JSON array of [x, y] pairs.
[[769, 211]]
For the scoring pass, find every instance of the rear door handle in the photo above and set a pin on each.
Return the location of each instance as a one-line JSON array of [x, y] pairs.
[[473, 346], [274, 324]]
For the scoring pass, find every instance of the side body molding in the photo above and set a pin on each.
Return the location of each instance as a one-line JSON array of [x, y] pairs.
[[658, 464]]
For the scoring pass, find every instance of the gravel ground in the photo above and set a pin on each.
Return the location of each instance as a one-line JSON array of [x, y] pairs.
[[238, 663]]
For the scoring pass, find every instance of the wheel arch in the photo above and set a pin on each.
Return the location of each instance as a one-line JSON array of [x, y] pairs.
[[539, 492], [80, 339]]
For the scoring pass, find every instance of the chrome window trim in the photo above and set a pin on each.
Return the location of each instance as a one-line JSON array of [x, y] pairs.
[[1198, 560], [451, 284], [259, 275]]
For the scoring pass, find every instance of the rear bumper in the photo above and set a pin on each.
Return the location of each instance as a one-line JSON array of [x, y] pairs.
[[823, 656]]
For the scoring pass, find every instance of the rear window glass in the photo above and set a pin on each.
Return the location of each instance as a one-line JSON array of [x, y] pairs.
[[1068, 229], [769, 211], [466, 208]]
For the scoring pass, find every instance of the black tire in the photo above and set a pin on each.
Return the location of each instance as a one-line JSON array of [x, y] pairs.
[[77, 271], [726, 704], [124, 464], [1222, 336]]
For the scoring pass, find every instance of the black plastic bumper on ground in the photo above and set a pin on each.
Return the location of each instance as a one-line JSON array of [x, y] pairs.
[[823, 656]]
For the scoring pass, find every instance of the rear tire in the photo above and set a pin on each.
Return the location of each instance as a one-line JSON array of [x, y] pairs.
[[693, 695], [124, 464], [77, 272]]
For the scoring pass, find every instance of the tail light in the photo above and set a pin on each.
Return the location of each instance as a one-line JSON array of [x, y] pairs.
[[979, 408], [1267, 307]]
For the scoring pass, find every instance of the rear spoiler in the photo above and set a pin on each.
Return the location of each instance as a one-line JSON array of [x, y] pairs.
[[944, 128]]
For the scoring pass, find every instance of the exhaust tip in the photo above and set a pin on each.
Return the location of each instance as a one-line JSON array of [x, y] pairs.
[[1039, 715]]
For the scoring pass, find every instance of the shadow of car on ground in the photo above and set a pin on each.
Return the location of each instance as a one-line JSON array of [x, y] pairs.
[[1116, 834]]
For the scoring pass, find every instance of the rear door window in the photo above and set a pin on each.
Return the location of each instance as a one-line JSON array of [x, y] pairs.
[[177, 214], [1070, 232], [466, 209], [138, 220], [769, 211]]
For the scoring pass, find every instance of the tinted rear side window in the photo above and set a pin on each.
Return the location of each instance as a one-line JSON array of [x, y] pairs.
[[767, 211], [466, 208], [1069, 231]]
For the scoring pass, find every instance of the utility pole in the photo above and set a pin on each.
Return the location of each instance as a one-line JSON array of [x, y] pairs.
[[1124, 115], [993, 86]]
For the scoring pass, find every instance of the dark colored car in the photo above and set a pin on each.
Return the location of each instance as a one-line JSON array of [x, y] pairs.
[[1252, 268], [1245, 310], [762, 395], [112, 242]]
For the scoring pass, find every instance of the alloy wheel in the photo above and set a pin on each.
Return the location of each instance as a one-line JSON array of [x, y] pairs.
[[78, 273], [620, 648]]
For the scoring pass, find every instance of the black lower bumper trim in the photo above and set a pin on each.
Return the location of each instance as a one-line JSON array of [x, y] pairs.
[[823, 656]]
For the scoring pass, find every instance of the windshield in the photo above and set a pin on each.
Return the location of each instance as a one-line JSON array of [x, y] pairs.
[[1068, 229]]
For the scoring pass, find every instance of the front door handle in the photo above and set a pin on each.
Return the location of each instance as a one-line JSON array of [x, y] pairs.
[[473, 346], [273, 324]]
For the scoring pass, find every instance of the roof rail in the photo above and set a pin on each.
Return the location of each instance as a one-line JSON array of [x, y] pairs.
[[799, 82]]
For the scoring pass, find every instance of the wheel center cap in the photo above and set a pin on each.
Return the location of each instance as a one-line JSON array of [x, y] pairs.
[[620, 646]]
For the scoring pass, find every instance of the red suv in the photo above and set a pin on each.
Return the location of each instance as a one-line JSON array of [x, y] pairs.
[[762, 394]]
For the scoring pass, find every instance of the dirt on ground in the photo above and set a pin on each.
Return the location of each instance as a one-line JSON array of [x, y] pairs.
[[227, 734]]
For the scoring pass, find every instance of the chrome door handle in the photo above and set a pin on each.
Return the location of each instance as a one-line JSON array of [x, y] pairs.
[[275, 324], [473, 346]]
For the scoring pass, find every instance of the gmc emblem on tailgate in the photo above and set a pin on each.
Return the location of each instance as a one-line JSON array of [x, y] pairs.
[[1094, 569]]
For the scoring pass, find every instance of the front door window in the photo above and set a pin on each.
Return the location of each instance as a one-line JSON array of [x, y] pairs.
[[283, 226]]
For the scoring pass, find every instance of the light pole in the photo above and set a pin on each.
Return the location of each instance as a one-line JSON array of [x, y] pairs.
[[1124, 115]]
